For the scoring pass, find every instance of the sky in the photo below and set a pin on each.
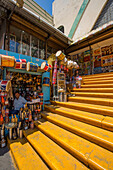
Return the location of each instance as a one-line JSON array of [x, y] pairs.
[[46, 4]]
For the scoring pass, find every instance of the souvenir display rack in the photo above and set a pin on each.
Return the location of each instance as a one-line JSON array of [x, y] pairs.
[[61, 82]]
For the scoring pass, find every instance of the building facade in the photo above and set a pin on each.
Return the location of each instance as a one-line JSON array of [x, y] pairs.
[[32, 6], [81, 16], [23, 32]]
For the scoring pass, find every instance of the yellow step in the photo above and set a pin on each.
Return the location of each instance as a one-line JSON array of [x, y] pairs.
[[24, 155], [91, 100], [97, 109], [98, 82], [89, 94], [97, 86], [89, 153], [110, 74], [104, 122], [56, 157], [94, 134], [97, 79], [100, 90]]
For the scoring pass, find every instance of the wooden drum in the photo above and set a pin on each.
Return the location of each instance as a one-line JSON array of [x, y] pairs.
[[7, 61]]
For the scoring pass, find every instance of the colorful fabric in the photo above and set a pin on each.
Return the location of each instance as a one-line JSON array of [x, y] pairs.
[[55, 72]]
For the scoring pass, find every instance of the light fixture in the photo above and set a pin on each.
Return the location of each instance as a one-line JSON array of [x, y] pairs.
[[19, 3]]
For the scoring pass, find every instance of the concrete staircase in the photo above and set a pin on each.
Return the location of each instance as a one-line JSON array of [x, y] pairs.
[[77, 134]]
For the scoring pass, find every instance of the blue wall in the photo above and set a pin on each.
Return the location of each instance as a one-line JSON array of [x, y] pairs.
[[28, 58], [46, 89]]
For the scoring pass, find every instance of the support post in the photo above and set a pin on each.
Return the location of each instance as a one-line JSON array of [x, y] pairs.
[[4, 74], [90, 60], [46, 50]]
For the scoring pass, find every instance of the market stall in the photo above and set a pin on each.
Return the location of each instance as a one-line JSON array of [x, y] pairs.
[[24, 89], [64, 76]]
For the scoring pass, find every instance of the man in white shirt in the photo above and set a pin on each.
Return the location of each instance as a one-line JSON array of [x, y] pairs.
[[19, 101]]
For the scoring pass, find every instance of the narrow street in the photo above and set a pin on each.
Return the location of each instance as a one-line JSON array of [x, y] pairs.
[[6, 159]]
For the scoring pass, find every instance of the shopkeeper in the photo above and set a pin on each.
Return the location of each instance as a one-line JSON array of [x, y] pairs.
[[19, 102]]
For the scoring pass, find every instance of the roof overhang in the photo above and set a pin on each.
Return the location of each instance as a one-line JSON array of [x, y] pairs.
[[93, 37], [47, 31]]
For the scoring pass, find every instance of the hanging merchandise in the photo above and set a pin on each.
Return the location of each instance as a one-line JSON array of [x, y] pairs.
[[55, 72], [7, 61]]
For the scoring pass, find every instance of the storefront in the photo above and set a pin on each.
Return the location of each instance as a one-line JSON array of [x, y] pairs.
[[23, 76], [94, 52]]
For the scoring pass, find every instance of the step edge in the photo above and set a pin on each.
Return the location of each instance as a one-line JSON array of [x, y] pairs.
[[90, 137]]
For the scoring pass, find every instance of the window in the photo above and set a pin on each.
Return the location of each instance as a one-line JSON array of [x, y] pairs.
[[61, 28]]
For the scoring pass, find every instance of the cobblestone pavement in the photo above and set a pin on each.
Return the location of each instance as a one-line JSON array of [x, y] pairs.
[[6, 160]]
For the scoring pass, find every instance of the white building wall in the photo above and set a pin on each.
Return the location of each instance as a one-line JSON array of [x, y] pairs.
[[65, 12], [89, 18]]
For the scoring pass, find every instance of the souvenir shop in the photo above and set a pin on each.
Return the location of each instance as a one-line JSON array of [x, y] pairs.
[[101, 59], [28, 78], [94, 51]]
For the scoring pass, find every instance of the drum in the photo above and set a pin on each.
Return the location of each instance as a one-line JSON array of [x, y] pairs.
[[40, 95], [43, 65], [5, 85], [23, 63], [50, 67], [46, 67], [41, 103], [60, 55], [46, 81], [18, 64], [7, 61], [32, 67]]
